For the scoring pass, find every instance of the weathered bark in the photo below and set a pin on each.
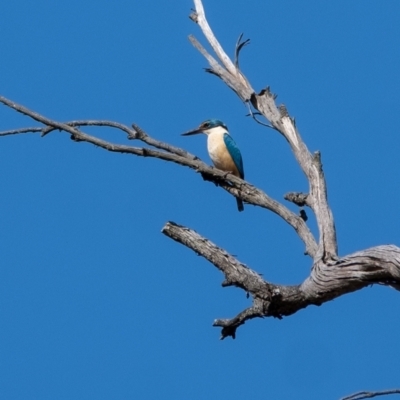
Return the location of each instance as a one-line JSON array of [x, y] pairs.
[[331, 275], [380, 265]]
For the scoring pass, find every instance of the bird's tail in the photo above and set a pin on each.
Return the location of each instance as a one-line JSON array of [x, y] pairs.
[[239, 204]]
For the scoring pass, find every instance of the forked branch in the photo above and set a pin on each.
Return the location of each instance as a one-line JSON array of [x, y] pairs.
[[264, 103], [166, 152], [331, 276], [377, 265]]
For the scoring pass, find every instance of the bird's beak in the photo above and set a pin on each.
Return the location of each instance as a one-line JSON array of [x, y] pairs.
[[192, 132]]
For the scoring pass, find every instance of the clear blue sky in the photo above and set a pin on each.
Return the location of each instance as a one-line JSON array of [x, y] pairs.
[[95, 303]]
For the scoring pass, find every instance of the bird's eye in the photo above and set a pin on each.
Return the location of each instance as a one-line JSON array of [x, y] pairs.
[[206, 124]]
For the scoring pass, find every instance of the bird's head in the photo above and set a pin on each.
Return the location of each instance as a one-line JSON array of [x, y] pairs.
[[207, 127]]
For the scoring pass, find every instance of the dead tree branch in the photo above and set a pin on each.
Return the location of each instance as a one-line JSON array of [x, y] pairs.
[[228, 182], [331, 275], [376, 265], [264, 103], [370, 395]]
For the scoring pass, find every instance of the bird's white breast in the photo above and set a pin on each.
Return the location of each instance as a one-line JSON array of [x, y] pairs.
[[218, 152], [215, 143]]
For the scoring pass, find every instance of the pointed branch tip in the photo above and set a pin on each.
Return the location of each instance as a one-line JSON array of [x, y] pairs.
[[239, 46]]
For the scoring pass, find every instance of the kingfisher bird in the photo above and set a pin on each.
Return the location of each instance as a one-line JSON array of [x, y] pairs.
[[222, 149]]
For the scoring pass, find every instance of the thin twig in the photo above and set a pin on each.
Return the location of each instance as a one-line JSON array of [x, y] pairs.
[[239, 46], [253, 115], [21, 130], [369, 395]]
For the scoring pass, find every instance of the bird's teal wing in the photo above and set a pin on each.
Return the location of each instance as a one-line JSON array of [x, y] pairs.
[[235, 153]]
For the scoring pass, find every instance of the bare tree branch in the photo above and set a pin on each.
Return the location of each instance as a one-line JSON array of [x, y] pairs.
[[331, 276], [264, 103], [369, 395], [219, 51], [270, 300], [228, 182]]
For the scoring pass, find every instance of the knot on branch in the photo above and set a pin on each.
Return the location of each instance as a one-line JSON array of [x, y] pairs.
[[317, 158], [75, 138], [283, 111], [298, 198], [194, 16]]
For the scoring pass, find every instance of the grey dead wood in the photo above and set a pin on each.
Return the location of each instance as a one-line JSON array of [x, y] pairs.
[[331, 275], [370, 395]]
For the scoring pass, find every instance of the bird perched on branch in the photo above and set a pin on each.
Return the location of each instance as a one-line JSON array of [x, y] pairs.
[[222, 149]]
